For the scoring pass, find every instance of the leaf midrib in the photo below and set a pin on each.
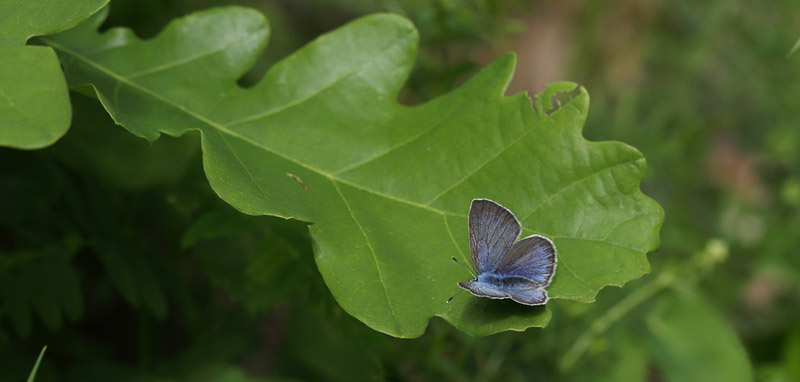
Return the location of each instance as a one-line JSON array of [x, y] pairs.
[[224, 129]]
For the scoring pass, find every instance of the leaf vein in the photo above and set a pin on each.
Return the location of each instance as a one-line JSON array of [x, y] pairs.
[[309, 96], [564, 264], [475, 170], [611, 231], [480, 166], [401, 144], [611, 243], [172, 64], [244, 167], [575, 182], [455, 243], [371, 250]]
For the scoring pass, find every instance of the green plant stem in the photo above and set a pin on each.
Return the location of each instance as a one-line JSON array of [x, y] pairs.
[[616, 312], [489, 371], [694, 268]]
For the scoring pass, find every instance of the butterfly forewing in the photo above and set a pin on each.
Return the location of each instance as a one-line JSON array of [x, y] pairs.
[[492, 231], [532, 258]]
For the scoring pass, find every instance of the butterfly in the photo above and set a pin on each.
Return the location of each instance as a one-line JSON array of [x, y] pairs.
[[518, 270]]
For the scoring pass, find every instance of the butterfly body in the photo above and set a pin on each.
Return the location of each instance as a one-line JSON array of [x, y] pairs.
[[519, 270]]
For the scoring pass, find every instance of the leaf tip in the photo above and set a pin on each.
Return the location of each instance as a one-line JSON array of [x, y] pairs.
[[403, 27], [493, 80]]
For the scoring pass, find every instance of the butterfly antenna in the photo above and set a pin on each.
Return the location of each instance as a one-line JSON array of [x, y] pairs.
[[454, 296], [465, 267]]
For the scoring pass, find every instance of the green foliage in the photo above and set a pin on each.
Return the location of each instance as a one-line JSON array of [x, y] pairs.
[[334, 347], [32, 377], [682, 338], [97, 146], [293, 147], [174, 284], [692, 342], [34, 104], [43, 281], [265, 259], [36, 275]]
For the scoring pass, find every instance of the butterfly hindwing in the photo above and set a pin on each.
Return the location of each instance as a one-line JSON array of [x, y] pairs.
[[482, 289], [533, 258], [492, 231], [536, 296], [520, 290]]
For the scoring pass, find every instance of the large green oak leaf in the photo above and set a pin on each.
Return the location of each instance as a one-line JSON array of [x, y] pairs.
[[34, 102], [386, 187]]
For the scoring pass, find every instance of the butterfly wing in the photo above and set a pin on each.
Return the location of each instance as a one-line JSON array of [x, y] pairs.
[[529, 296], [533, 258], [480, 289], [492, 231], [522, 291]]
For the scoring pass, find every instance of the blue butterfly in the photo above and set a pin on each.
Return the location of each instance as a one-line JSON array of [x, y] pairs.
[[507, 269]]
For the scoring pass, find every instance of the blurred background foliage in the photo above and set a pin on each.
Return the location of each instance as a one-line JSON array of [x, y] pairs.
[[108, 255]]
